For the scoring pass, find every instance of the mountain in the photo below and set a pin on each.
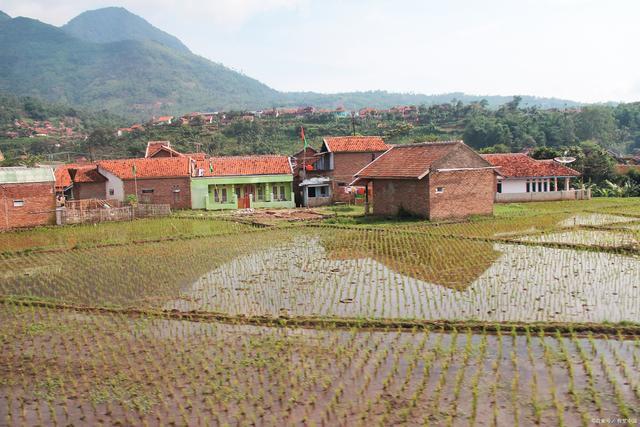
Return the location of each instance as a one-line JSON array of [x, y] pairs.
[[114, 24], [4, 16], [110, 59], [136, 78], [384, 99]]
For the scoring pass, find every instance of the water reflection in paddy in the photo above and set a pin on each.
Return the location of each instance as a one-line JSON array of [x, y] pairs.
[[522, 283]]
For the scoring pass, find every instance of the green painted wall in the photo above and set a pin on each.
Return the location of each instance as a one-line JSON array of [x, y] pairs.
[[202, 191]]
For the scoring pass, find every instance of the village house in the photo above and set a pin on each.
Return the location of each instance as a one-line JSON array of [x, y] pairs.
[[526, 179], [162, 120], [336, 163], [80, 181], [433, 180], [238, 182], [27, 197], [152, 180]]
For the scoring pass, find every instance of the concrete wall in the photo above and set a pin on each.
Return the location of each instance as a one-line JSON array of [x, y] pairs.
[[391, 195], [113, 183], [464, 193], [543, 197], [514, 186], [38, 209], [163, 191]]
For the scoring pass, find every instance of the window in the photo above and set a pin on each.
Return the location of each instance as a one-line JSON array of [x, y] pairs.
[[324, 191], [499, 187], [224, 195], [439, 190], [546, 186], [528, 187], [18, 203], [176, 195], [260, 192], [238, 192], [216, 195], [111, 191], [274, 192], [283, 196], [311, 191], [342, 184], [147, 194], [540, 186]]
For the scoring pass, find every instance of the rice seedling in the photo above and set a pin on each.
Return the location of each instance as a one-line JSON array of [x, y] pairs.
[[106, 328]]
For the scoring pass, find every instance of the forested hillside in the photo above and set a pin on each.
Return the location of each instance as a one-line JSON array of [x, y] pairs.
[[114, 24]]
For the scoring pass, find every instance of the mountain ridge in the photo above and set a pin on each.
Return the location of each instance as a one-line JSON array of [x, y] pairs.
[[147, 76], [113, 24]]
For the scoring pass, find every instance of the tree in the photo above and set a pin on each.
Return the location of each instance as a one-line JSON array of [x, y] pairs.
[[596, 123]]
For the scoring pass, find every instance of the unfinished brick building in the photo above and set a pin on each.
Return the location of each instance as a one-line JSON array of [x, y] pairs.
[[27, 197], [433, 180]]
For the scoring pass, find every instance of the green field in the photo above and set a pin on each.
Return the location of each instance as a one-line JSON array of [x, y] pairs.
[[531, 317]]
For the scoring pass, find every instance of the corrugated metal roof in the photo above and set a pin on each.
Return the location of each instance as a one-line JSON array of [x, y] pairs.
[[19, 175]]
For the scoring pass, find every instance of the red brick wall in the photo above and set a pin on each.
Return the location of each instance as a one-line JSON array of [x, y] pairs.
[[410, 194], [39, 205], [345, 165], [465, 193], [162, 191], [89, 190]]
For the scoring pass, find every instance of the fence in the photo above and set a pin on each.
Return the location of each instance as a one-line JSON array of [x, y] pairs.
[[584, 194], [70, 215]]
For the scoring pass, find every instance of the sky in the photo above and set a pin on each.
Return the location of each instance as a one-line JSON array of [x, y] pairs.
[[582, 50]]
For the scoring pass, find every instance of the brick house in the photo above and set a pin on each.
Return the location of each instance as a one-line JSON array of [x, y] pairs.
[[153, 180], [433, 180], [27, 196], [523, 179], [336, 163], [80, 181]]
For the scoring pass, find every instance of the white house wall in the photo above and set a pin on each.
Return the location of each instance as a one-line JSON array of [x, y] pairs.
[[514, 185], [115, 183]]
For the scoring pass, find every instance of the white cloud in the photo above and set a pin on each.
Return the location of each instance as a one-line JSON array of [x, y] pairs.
[[228, 13]]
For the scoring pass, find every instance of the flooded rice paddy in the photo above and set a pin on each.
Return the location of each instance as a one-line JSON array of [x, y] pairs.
[[522, 283], [64, 368]]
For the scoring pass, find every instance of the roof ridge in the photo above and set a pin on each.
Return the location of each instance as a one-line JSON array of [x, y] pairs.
[[427, 143]]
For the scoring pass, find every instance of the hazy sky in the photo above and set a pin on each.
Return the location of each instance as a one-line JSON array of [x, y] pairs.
[[584, 50]]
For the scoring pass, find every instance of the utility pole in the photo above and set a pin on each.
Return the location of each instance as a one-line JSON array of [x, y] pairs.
[[353, 123]]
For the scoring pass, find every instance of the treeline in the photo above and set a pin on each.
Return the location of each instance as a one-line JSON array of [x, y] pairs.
[[510, 128], [24, 107]]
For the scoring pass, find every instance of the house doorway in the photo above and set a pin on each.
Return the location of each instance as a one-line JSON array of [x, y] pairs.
[[244, 199]]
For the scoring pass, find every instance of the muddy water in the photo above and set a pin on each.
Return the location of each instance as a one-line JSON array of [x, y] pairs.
[[525, 283]]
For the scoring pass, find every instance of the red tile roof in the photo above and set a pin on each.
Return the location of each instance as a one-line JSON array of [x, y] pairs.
[[346, 144], [153, 147], [63, 179], [518, 165], [411, 161], [84, 173], [162, 167], [245, 165]]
